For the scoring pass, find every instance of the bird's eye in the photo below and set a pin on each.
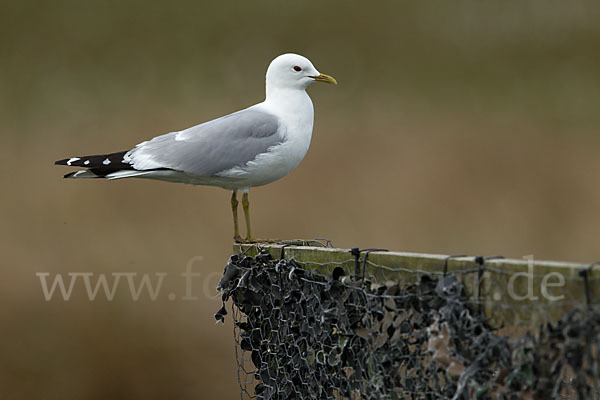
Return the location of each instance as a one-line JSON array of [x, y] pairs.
[[297, 68]]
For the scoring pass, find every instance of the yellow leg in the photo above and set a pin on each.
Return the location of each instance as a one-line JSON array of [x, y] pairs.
[[246, 205], [234, 211]]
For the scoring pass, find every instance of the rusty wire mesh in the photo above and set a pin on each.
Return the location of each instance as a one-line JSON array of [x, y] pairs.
[[304, 334]]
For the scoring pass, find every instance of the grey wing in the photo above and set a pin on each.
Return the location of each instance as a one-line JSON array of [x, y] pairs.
[[212, 147]]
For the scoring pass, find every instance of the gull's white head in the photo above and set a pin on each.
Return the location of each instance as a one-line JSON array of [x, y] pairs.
[[292, 71]]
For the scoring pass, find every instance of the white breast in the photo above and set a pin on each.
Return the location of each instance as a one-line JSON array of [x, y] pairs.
[[296, 115]]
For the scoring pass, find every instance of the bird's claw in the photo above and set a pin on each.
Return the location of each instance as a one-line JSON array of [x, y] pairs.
[[252, 240]]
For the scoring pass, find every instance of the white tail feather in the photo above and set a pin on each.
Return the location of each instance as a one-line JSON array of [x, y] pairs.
[[126, 174], [84, 173]]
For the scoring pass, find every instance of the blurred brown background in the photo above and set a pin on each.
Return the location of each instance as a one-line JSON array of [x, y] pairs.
[[457, 127]]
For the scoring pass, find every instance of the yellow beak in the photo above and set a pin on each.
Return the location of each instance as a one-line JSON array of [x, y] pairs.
[[325, 78]]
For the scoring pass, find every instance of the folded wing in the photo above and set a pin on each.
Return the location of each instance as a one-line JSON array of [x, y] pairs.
[[212, 147]]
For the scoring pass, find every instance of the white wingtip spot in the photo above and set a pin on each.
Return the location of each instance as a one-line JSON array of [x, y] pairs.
[[86, 162], [106, 162], [72, 160]]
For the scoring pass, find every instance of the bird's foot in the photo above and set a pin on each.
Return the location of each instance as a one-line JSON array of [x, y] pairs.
[[253, 240]]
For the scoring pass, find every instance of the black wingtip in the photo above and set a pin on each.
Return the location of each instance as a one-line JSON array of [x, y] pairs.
[[61, 162], [69, 175]]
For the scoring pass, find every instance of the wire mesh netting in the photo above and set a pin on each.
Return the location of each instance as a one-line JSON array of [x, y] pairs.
[[333, 333]]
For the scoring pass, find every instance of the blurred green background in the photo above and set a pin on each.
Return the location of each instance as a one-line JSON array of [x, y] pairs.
[[457, 127]]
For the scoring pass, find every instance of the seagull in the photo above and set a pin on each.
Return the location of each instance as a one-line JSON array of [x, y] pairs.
[[248, 148]]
